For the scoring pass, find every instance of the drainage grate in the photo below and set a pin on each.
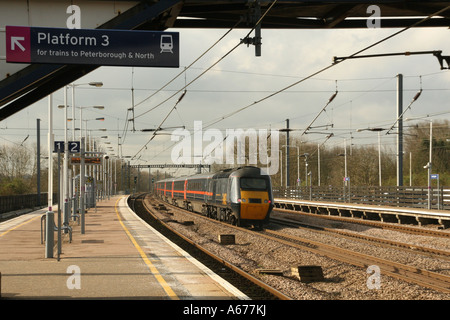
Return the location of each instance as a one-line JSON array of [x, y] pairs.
[[92, 241]]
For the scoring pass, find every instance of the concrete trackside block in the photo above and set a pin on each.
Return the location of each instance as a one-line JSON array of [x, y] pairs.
[[160, 207], [308, 273], [227, 239]]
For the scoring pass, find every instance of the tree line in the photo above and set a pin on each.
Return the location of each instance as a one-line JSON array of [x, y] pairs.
[[363, 161], [18, 164]]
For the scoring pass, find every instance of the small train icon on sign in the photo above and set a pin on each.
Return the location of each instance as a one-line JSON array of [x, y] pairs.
[[166, 43]]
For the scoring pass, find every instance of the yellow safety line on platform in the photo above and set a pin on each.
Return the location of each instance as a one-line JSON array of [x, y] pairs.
[[19, 225], [149, 264]]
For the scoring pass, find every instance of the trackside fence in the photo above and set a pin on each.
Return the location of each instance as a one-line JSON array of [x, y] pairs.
[[24, 201], [413, 197]]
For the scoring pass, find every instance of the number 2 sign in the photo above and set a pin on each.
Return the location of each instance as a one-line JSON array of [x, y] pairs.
[[74, 146]]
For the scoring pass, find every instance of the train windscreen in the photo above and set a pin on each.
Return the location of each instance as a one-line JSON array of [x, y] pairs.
[[253, 184]]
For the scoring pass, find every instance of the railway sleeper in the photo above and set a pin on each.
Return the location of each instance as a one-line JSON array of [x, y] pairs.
[[444, 224]]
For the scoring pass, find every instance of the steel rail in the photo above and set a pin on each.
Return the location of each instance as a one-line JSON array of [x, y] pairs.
[[442, 254], [377, 224], [241, 272], [421, 277], [406, 273]]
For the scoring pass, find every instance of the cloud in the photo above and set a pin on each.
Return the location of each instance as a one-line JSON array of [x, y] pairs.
[[367, 87]]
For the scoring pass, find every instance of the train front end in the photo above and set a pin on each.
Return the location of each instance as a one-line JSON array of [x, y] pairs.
[[254, 200]]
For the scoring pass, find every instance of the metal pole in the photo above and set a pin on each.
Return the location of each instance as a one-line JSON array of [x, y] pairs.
[[439, 195], [129, 177], [82, 186], [149, 180], [108, 175], [287, 153], [400, 130], [73, 112], [59, 204], [73, 175], [410, 168], [345, 168], [345, 160], [430, 165], [66, 165], [257, 30], [298, 166], [306, 170], [49, 221], [281, 169], [81, 122], [38, 159], [379, 158], [318, 165], [115, 175]]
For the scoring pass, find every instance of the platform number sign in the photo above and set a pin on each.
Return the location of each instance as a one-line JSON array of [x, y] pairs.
[[74, 146]]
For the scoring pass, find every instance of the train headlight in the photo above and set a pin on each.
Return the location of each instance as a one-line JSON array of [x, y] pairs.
[[241, 200]]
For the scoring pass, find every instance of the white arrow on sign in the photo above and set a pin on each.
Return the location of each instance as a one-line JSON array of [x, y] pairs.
[[15, 42]]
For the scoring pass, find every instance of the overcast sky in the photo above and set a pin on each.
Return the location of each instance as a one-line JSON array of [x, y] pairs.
[[366, 89]]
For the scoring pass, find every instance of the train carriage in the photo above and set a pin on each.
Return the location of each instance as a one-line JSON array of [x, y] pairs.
[[241, 196]]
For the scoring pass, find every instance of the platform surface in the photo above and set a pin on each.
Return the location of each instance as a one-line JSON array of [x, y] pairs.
[[118, 257]]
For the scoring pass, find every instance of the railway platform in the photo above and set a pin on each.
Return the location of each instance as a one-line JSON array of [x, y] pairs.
[[118, 257], [400, 215]]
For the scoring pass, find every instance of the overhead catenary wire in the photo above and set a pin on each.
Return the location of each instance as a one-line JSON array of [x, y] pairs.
[[404, 111], [323, 109], [183, 72], [159, 127], [328, 67], [213, 65], [305, 78], [163, 87], [195, 79]]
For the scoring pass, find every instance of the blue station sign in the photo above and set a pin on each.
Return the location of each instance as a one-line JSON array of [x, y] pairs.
[[92, 47]]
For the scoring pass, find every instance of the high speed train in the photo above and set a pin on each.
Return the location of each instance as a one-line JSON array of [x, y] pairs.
[[240, 196]]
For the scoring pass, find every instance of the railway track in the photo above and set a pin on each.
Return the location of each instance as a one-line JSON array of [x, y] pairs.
[[396, 270], [375, 224], [441, 254], [421, 277], [253, 287]]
